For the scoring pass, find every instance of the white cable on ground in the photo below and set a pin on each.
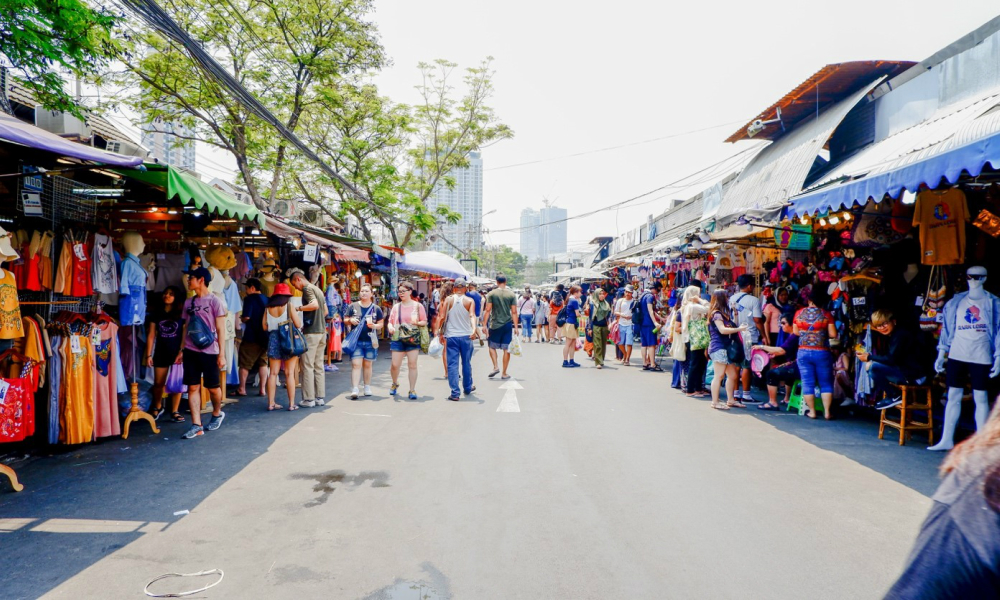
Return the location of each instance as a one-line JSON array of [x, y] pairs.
[[180, 594]]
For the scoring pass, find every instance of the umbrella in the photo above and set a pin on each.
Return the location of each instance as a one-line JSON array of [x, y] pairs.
[[434, 263], [579, 273], [481, 280]]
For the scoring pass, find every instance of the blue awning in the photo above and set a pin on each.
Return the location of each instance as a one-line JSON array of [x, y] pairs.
[[963, 141]]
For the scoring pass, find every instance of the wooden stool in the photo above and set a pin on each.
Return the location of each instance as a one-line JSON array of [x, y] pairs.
[[906, 424]]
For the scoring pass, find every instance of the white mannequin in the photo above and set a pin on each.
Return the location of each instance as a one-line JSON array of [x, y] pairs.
[[953, 410]]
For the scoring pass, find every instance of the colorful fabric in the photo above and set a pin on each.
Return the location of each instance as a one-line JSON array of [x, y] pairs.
[[941, 215], [813, 324]]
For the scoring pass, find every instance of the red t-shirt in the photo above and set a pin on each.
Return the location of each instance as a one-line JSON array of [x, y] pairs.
[[813, 324]]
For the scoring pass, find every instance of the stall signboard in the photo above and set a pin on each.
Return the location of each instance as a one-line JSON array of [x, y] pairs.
[[310, 253], [793, 237], [31, 183], [31, 203]]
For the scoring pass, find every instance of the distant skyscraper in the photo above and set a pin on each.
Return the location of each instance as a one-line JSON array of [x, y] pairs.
[[530, 221], [466, 198], [160, 138]]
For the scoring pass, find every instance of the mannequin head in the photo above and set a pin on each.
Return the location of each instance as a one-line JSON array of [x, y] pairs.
[[133, 243], [977, 277]]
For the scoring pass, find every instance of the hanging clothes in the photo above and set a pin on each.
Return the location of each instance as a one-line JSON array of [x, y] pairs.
[[76, 423], [17, 410], [132, 292], [64, 269], [11, 326], [234, 305], [31, 280], [106, 362], [80, 284], [45, 264], [55, 387], [105, 275], [863, 385]]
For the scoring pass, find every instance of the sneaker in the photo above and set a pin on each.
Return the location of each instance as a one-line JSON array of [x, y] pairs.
[[393, 389], [320, 402], [307, 403], [334, 368], [889, 403], [329, 368], [566, 364], [368, 390], [216, 422], [412, 396], [573, 363], [354, 394], [195, 431]]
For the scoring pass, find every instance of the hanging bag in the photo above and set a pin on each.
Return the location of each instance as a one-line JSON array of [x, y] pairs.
[[175, 379], [934, 300]]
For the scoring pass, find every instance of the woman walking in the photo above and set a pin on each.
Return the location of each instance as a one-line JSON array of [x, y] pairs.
[[526, 313], [164, 345], [405, 321], [556, 301], [541, 318], [694, 329], [816, 329], [569, 330], [600, 312], [367, 315], [277, 313], [721, 328]]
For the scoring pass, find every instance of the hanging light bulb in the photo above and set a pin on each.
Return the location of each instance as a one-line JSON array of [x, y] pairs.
[[822, 222], [834, 220], [847, 216], [804, 220]]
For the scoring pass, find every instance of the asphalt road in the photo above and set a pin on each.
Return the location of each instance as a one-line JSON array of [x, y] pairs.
[[604, 484]]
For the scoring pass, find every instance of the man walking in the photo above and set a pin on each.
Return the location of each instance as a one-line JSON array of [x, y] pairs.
[[647, 306], [600, 311], [747, 311], [478, 299], [253, 347], [313, 311], [501, 314], [202, 356], [457, 331], [623, 311]]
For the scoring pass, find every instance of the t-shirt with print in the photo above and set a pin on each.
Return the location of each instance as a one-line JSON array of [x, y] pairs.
[[571, 307], [941, 216], [168, 333], [500, 300], [971, 342], [746, 308], [813, 324], [207, 309], [312, 293], [356, 310]]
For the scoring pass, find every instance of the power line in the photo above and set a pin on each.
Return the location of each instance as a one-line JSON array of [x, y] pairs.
[[628, 145], [672, 185]]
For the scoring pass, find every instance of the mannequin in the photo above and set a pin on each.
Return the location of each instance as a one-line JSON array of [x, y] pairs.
[[269, 279], [969, 338]]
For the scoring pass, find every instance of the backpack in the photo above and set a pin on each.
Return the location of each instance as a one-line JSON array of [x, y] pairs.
[[561, 317], [638, 315]]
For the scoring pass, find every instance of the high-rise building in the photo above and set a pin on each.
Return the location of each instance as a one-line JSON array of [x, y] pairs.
[[543, 232], [161, 138], [530, 221], [465, 198]]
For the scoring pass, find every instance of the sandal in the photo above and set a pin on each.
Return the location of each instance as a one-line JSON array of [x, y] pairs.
[[656, 369], [767, 406], [177, 417], [719, 406], [293, 407], [273, 407], [736, 404], [157, 413]]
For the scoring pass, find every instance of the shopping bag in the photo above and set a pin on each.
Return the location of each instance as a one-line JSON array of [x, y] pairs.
[[175, 379], [435, 348], [515, 346]]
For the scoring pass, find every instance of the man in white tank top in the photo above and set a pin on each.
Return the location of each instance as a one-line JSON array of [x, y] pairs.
[[457, 332]]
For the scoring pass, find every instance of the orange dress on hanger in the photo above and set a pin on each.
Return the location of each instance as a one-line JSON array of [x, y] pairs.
[[76, 417]]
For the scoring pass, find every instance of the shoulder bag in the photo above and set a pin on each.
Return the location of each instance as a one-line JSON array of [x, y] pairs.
[[735, 353], [201, 336], [291, 341], [407, 333], [351, 341]]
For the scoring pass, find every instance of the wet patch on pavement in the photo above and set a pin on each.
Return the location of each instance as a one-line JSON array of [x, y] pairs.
[[439, 588], [327, 483]]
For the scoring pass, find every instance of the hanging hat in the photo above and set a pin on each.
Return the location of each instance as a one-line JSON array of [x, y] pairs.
[[269, 263], [221, 257], [758, 360], [7, 252]]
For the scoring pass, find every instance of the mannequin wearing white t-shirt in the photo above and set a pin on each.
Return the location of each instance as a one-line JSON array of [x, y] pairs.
[[971, 345]]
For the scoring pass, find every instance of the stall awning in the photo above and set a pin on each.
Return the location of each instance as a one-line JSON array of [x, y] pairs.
[[963, 137], [17, 131], [779, 171], [432, 262], [192, 191], [343, 252]]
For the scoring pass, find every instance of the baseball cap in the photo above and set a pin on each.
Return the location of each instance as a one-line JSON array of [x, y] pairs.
[[629, 288], [200, 273], [461, 282]]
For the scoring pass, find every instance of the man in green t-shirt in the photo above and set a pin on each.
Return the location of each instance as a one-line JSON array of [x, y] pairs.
[[500, 315], [314, 327]]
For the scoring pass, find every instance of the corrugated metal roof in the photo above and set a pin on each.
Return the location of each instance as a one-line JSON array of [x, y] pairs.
[[831, 84], [680, 222], [779, 171]]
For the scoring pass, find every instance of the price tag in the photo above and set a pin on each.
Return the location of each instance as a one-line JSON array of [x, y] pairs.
[[860, 301], [95, 337], [940, 317], [79, 251], [919, 301], [4, 386], [74, 344], [309, 255]]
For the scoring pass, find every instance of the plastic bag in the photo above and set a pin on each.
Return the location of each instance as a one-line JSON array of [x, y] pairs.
[[515, 346], [435, 348], [175, 379]]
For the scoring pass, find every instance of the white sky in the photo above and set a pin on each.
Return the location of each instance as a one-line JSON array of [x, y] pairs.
[[577, 76]]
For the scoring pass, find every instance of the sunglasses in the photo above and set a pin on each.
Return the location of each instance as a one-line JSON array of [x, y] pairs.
[[975, 277]]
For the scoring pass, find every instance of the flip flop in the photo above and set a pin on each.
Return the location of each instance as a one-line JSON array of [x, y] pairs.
[[719, 406], [273, 407], [505, 377], [239, 395], [494, 373], [293, 407], [767, 406]]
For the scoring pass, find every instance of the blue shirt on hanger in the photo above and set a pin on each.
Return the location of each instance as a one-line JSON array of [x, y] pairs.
[[132, 292]]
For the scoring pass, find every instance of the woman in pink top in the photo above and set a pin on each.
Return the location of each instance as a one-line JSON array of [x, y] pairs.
[[406, 316], [777, 304]]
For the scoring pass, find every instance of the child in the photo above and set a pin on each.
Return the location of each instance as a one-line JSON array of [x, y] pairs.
[[334, 349]]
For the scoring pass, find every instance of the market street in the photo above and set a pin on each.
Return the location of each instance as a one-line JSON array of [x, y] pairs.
[[604, 484]]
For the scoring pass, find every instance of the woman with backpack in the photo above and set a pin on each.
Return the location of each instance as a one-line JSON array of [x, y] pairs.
[[694, 332], [724, 334]]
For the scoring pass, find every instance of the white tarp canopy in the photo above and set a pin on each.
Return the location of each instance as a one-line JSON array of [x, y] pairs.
[[579, 273], [434, 263]]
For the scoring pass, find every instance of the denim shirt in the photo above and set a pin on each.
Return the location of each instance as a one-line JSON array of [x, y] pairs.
[[132, 291], [991, 305]]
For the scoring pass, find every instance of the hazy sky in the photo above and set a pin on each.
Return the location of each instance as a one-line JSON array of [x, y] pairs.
[[578, 76]]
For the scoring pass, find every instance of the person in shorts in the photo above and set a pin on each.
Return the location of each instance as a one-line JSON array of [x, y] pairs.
[[202, 366], [253, 347], [500, 314], [368, 315], [570, 330]]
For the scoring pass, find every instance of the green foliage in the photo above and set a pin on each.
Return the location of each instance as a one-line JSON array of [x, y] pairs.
[[504, 260], [539, 271], [39, 37]]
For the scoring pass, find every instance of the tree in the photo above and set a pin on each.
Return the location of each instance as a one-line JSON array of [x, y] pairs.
[[539, 271], [290, 54], [399, 155], [38, 37], [502, 260]]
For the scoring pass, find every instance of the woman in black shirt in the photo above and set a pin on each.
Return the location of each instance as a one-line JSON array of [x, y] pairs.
[[163, 347]]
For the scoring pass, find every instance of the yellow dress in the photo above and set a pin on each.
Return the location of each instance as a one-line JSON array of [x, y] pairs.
[[76, 416], [11, 326]]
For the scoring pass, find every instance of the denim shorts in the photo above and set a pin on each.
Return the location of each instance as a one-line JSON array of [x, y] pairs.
[[719, 356], [625, 335], [403, 347], [364, 350]]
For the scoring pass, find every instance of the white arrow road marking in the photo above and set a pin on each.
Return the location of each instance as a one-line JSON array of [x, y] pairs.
[[509, 402]]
